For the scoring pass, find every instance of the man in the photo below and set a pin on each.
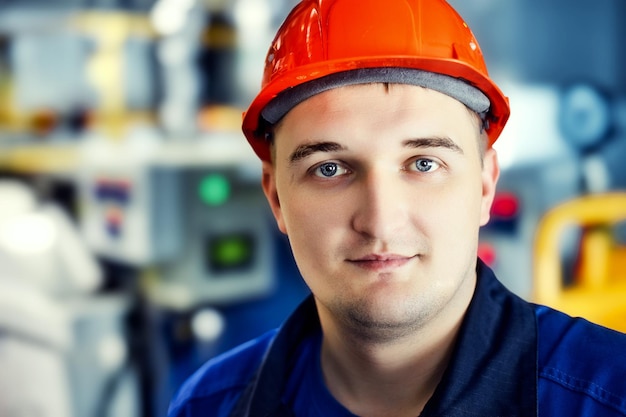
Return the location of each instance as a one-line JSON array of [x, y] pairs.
[[375, 124]]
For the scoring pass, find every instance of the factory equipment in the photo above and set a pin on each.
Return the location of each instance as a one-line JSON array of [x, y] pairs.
[[119, 105], [538, 171], [194, 215], [596, 288], [58, 336], [191, 220], [572, 146], [35, 338]]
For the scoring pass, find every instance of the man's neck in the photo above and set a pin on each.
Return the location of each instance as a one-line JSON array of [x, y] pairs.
[[385, 380], [394, 378]]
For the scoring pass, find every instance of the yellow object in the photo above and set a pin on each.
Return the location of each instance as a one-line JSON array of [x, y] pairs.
[[598, 289], [59, 159], [105, 70]]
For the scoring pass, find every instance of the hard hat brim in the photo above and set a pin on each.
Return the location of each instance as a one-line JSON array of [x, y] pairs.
[[255, 125]]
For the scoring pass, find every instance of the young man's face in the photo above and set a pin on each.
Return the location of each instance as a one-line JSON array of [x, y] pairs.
[[381, 192]]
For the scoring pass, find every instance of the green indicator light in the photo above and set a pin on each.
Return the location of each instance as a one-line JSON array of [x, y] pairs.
[[214, 189], [231, 252]]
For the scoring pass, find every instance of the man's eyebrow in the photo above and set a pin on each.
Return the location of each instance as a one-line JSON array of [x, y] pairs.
[[434, 142], [303, 151]]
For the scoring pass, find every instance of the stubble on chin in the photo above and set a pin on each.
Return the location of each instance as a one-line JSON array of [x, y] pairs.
[[366, 324]]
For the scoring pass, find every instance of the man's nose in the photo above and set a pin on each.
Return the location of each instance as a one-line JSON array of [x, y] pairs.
[[382, 205]]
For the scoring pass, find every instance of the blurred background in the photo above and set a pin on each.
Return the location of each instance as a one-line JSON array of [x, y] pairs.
[[135, 242]]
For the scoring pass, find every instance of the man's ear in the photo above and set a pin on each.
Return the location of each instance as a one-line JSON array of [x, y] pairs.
[[490, 174], [268, 181]]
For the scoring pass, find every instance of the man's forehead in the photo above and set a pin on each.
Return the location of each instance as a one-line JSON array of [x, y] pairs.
[[413, 102], [329, 117]]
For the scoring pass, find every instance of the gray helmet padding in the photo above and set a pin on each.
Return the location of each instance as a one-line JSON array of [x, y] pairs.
[[456, 88]]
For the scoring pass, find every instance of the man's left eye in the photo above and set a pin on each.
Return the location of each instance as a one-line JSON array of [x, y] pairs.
[[425, 165]]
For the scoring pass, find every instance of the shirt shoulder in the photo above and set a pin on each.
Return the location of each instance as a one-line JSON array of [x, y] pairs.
[[216, 386], [581, 366]]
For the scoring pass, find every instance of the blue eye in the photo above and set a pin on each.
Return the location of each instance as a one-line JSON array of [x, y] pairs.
[[328, 169], [425, 165]]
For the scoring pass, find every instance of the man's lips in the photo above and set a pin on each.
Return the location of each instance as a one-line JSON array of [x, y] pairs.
[[381, 263]]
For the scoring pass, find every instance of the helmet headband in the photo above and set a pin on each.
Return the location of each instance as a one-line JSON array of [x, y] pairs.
[[456, 88]]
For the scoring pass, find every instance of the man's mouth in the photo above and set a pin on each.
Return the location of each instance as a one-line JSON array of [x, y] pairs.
[[381, 262]]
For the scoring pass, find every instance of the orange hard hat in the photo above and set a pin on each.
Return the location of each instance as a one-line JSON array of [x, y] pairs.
[[324, 44]]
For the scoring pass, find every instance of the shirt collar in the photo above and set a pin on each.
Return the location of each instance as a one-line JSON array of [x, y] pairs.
[[492, 371]]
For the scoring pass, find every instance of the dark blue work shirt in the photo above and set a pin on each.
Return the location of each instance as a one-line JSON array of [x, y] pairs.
[[512, 359]]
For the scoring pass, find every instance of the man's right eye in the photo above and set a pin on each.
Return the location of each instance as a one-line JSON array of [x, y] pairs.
[[329, 170]]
